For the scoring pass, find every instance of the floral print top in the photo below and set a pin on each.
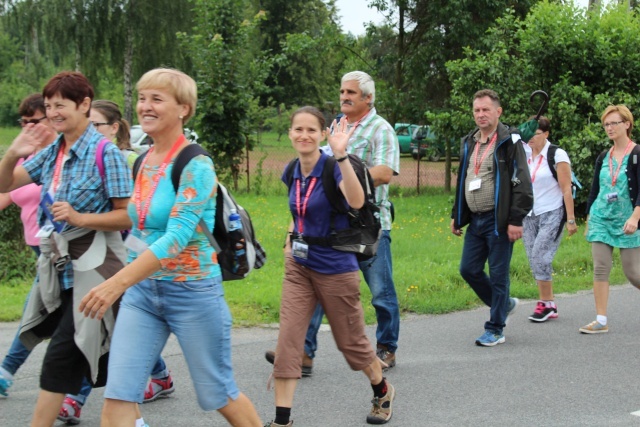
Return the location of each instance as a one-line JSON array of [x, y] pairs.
[[171, 228]]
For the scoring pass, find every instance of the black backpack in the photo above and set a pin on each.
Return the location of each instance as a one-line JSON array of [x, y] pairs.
[[363, 235], [220, 238]]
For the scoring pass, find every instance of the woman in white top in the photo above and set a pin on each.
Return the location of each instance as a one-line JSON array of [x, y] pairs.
[[552, 198]]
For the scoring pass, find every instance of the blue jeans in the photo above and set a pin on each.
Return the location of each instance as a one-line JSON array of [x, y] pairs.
[[378, 273], [481, 244], [197, 314]]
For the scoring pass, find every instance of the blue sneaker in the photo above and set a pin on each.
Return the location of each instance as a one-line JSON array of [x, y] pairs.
[[4, 385], [513, 304], [489, 339]]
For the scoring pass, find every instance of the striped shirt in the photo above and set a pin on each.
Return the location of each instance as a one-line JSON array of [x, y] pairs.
[[80, 182], [375, 142]]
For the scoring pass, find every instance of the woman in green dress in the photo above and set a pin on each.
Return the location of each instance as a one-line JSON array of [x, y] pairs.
[[614, 211]]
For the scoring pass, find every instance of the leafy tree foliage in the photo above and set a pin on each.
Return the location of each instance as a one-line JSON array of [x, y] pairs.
[[584, 60]]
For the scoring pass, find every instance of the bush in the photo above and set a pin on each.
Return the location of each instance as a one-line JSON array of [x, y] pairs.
[[17, 260]]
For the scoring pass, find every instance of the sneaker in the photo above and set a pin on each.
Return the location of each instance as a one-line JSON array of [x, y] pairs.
[[542, 313], [594, 327], [385, 356], [307, 363], [489, 339], [5, 383], [513, 304], [70, 411], [272, 424], [382, 407], [157, 388]]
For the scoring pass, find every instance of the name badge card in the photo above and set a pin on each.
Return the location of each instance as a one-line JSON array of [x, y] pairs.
[[475, 184], [135, 244], [300, 249]]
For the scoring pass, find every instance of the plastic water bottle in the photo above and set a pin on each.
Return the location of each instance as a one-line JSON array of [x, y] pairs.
[[238, 244]]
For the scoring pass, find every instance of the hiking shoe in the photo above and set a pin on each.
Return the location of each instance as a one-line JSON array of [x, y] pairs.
[[489, 339], [272, 424], [594, 327], [5, 383], [513, 304], [307, 363], [542, 313], [157, 388], [382, 407], [385, 356], [70, 411]]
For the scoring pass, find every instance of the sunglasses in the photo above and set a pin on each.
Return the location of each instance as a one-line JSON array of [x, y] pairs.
[[24, 122]]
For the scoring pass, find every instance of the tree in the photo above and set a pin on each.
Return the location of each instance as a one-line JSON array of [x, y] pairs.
[[228, 75], [584, 60]]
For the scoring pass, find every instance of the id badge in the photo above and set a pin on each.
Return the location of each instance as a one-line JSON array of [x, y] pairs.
[[300, 249], [612, 197], [45, 231], [135, 244], [475, 184]]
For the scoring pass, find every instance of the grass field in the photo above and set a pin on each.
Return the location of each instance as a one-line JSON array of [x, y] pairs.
[[426, 257]]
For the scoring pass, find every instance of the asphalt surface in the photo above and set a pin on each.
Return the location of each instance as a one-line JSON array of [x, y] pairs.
[[544, 375]]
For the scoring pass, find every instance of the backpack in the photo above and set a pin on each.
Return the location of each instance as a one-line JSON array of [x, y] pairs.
[[363, 235], [220, 238], [575, 184]]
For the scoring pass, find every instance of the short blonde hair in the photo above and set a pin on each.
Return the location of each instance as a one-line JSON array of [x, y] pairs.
[[181, 86], [624, 113]]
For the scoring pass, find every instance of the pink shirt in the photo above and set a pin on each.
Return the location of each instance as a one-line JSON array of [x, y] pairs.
[[28, 199]]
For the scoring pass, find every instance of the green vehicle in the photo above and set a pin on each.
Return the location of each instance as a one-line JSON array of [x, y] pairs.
[[430, 145], [404, 132]]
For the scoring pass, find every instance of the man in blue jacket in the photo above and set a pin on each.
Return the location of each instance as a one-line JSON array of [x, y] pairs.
[[493, 195]]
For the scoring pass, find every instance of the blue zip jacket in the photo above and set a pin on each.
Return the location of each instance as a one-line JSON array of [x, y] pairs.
[[513, 191]]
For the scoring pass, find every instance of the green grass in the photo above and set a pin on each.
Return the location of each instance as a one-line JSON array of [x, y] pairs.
[[426, 257]]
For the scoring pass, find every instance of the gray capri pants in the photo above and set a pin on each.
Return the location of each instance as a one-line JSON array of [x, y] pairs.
[[603, 260], [540, 243]]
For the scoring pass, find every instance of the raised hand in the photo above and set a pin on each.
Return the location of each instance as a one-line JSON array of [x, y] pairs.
[[339, 139], [29, 140]]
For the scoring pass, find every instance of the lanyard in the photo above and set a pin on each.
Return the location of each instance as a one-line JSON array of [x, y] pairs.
[[58, 169], [484, 155], [143, 210], [533, 175], [614, 176], [302, 209]]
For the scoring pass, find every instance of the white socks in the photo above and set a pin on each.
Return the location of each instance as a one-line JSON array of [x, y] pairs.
[[6, 374], [602, 319], [140, 422]]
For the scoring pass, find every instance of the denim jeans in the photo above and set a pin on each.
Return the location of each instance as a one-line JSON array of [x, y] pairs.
[[197, 314], [481, 244], [378, 273]]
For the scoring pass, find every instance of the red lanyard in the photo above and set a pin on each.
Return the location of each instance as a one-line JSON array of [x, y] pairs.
[[533, 175], [614, 176], [302, 209], [484, 155], [143, 210], [58, 169]]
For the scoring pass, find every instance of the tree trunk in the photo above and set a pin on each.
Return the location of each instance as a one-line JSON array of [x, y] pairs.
[[128, 67], [399, 64]]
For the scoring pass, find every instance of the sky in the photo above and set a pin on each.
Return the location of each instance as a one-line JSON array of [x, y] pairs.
[[355, 13]]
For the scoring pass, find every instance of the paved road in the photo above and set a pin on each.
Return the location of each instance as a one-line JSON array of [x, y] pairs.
[[544, 375]]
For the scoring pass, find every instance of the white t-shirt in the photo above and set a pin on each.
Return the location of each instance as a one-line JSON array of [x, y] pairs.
[[547, 194]]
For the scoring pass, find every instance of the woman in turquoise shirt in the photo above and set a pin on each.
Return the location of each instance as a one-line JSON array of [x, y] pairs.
[[614, 211]]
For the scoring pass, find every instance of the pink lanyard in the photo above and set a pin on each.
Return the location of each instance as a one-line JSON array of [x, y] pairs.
[[302, 211], [533, 175], [58, 169], [484, 155], [614, 176], [143, 210]]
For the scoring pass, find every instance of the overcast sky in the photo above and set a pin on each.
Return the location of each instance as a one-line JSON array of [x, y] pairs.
[[355, 13]]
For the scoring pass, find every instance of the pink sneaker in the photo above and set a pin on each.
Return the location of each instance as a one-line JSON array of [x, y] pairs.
[[542, 313], [70, 411], [157, 388]]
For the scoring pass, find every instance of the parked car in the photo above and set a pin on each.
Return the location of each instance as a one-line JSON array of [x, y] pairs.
[[404, 132], [430, 144], [140, 141]]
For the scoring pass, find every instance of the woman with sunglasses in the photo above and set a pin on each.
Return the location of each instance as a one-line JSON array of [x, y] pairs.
[[552, 207], [614, 211]]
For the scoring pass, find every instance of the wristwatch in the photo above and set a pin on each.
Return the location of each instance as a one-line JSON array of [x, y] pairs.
[[571, 221]]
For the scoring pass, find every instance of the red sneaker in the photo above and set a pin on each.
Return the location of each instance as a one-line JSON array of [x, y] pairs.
[[157, 388], [70, 411]]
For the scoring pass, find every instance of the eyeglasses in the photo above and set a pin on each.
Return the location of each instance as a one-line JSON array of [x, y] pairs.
[[24, 122], [610, 124], [97, 124]]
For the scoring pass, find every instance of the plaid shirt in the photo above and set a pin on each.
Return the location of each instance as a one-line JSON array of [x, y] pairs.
[[376, 143], [80, 182]]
